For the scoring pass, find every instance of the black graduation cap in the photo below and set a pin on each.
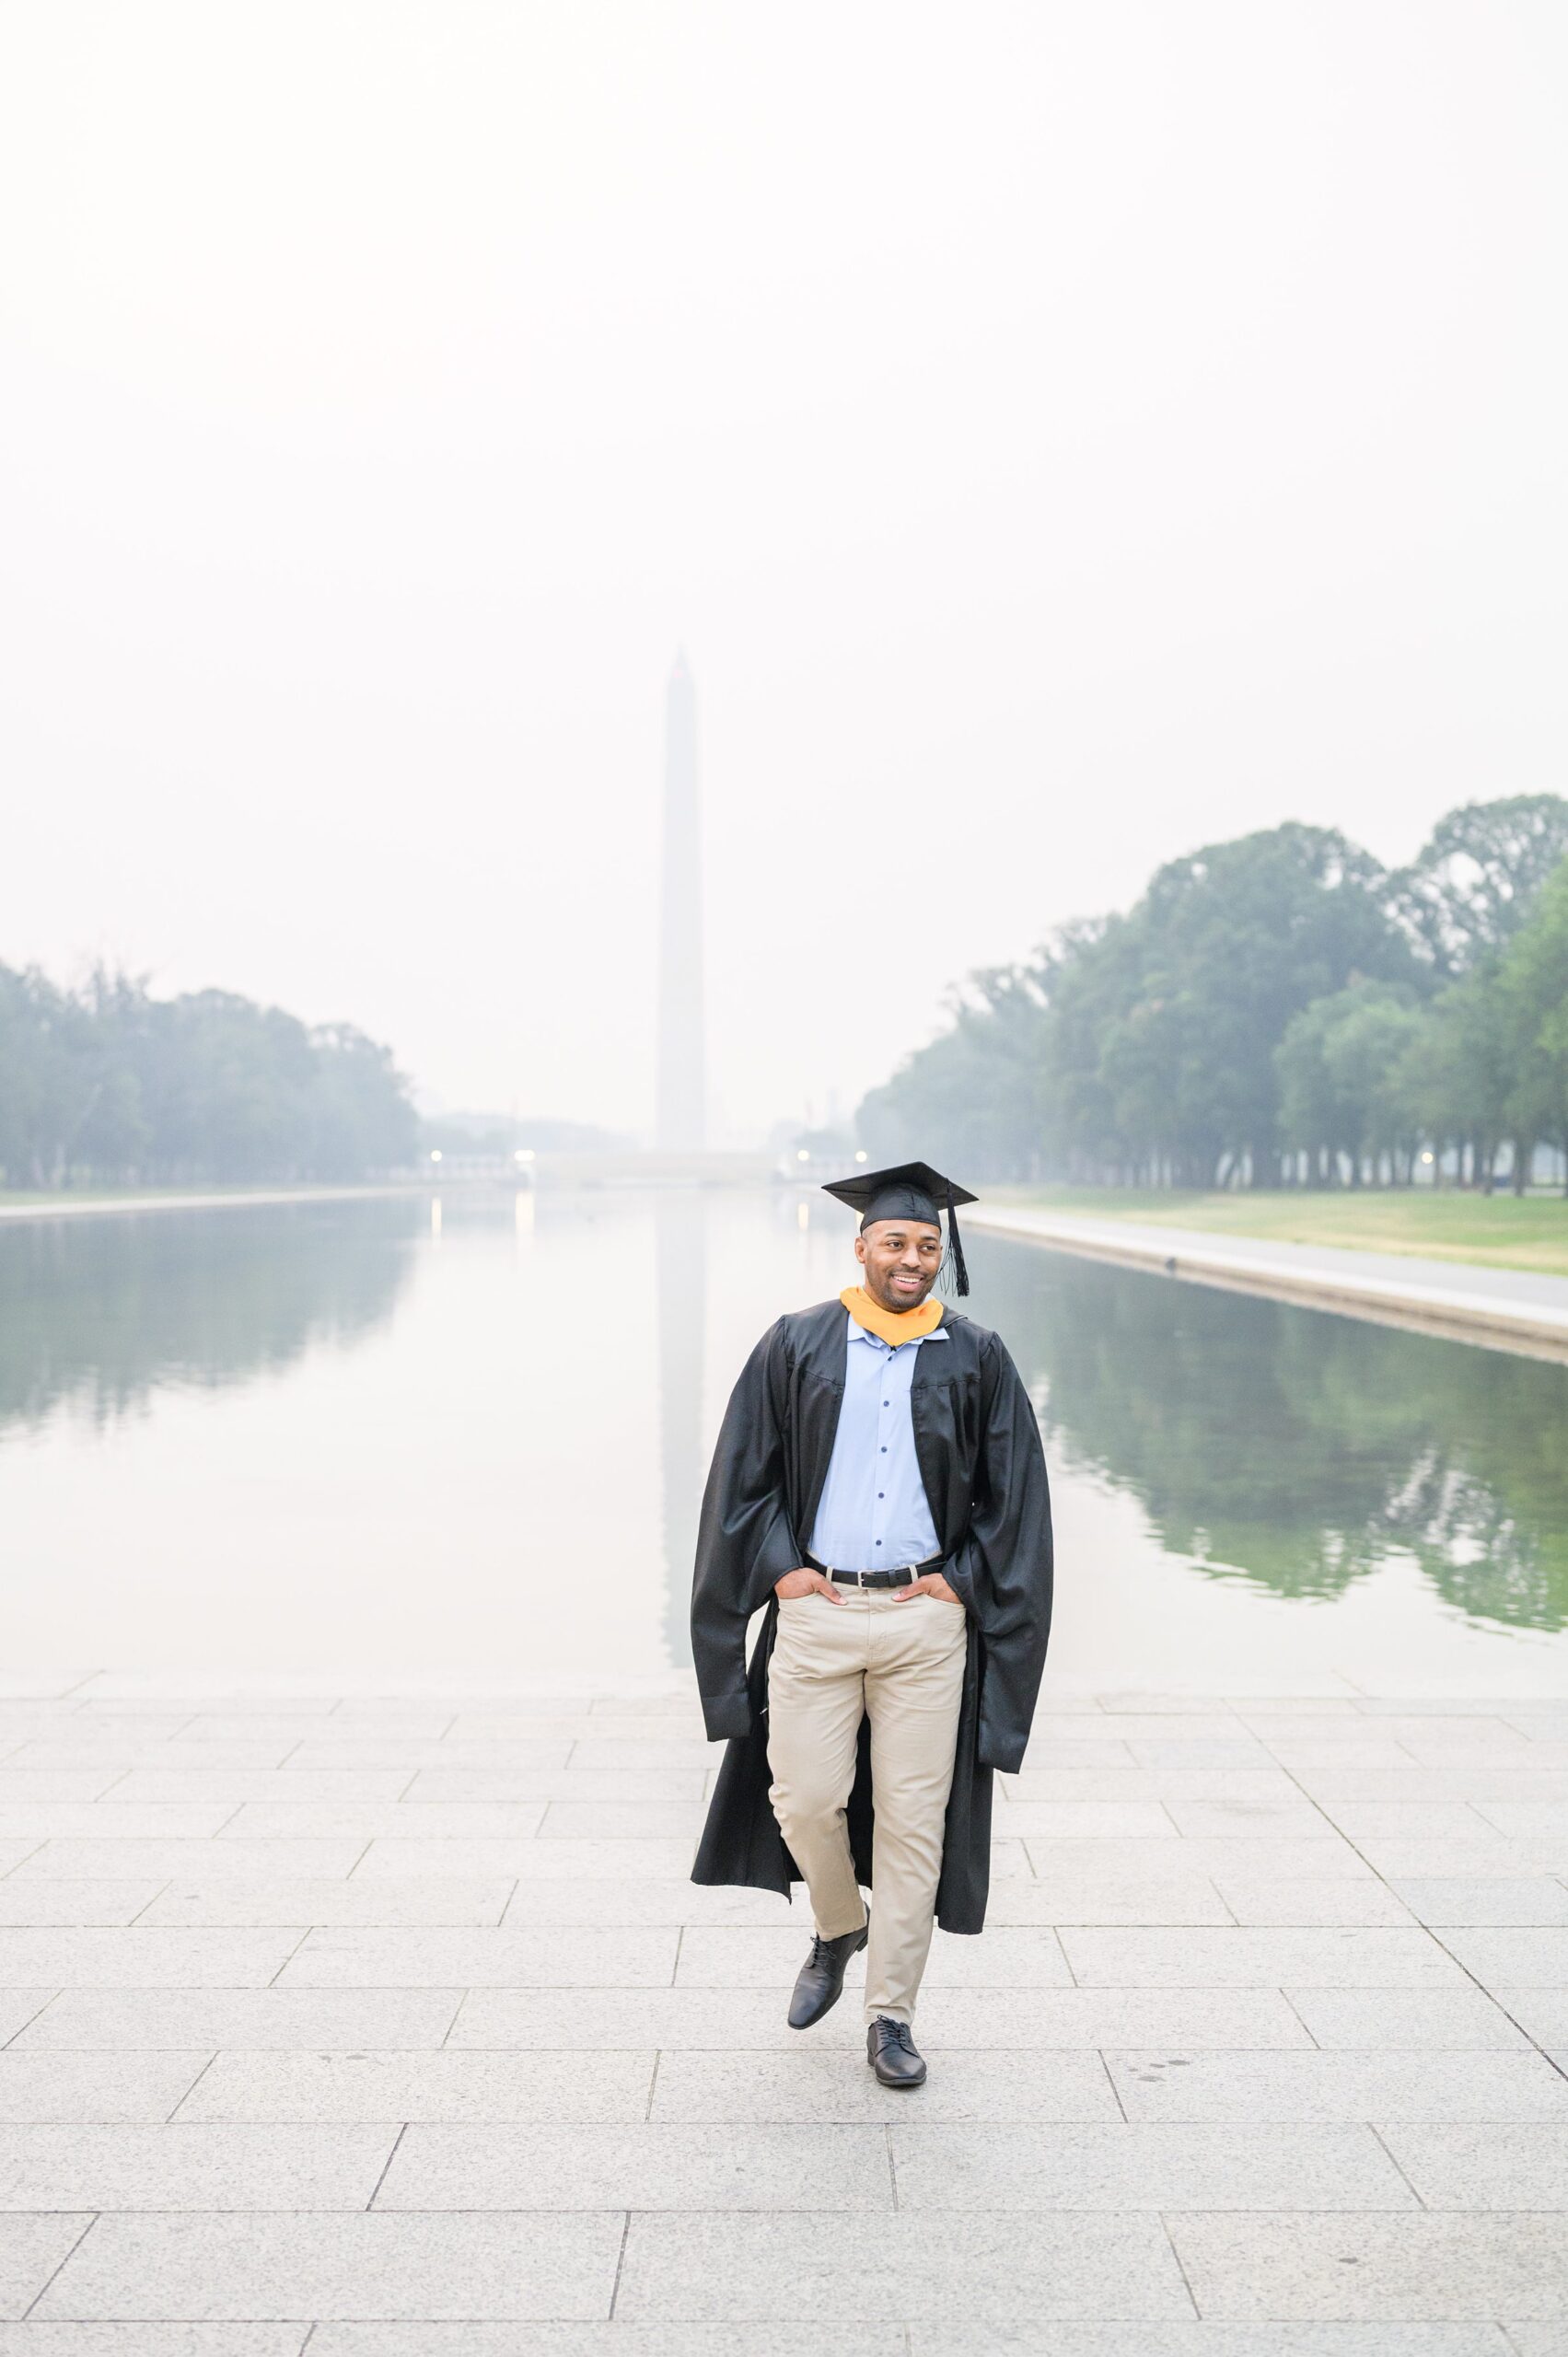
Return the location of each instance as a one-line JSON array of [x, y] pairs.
[[908, 1190]]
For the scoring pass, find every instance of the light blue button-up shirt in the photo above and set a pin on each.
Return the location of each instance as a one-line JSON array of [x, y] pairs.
[[873, 1516]]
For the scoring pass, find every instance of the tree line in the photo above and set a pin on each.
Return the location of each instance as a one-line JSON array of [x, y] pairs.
[[106, 1085], [1277, 1009]]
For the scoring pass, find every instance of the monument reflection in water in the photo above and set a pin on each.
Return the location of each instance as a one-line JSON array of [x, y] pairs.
[[337, 1435]]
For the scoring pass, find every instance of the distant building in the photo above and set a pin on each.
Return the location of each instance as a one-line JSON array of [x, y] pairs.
[[680, 1113]]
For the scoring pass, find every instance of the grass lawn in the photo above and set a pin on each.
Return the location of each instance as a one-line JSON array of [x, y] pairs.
[[1494, 1231]]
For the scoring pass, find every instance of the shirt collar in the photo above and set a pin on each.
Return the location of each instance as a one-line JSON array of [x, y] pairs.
[[859, 1333]]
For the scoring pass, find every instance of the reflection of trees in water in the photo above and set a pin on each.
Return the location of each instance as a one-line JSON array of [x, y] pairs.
[[101, 1312], [1299, 1449]]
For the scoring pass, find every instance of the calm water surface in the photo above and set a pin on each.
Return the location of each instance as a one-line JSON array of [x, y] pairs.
[[469, 1435]]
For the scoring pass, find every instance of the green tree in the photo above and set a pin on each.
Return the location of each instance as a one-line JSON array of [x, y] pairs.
[[1476, 880]]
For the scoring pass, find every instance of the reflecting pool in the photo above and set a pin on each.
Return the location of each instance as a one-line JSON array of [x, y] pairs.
[[468, 1434]]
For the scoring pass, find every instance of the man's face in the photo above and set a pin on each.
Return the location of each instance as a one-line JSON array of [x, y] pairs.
[[901, 1259]]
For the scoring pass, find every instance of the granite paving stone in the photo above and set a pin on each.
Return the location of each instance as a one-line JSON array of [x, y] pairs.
[[1481, 2167], [1286, 1818], [1128, 1957], [650, 1820], [1488, 1858], [1282, 1859], [95, 1958], [105, 2339], [17, 2007], [263, 2018], [42, 2088], [19, 1785], [657, 2166], [618, 2339], [203, 1862], [1028, 2266], [196, 2166], [381, 1820], [423, 1852], [1085, 1820], [1305, 2265], [834, 2084], [571, 1957], [1091, 1898], [152, 2340], [306, 1900], [1317, 2085], [1203, 2340], [1141, 2166], [1514, 1959], [554, 1900], [111, 1820], [1357, 1902], [1541, 2013], [1485, 1901], [741, 2019], [43, 1904], [234, 1785], [463, 2087], [1395, 2018], [31, 2248], [459, 1781], [261, 2266]]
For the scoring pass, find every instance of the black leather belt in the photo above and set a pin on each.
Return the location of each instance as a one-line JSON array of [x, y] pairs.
[[906, 1577]]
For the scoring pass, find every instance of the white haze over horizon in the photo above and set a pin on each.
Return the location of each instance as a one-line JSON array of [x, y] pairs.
[[1059, 434]]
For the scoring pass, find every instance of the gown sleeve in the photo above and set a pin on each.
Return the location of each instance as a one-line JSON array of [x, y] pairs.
[[745, 1541], [1004, 1563]]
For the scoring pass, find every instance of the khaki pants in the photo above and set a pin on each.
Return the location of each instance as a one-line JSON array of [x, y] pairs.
[[903, 1664]]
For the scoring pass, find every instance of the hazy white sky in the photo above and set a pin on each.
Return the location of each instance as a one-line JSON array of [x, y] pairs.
[[1060, 433]]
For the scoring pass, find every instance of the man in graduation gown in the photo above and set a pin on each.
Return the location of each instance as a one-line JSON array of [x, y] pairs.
[[879, 1486]]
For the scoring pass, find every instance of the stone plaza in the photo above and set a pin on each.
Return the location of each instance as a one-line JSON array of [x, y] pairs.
[[390, 2025]]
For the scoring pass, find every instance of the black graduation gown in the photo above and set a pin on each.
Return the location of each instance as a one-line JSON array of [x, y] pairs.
[[977, 1446]]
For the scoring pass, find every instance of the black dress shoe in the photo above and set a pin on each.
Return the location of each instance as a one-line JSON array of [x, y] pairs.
[[892, 2053], [821, 1978]]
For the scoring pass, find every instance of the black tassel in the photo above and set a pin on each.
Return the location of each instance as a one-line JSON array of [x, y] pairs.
[[955, 1246]]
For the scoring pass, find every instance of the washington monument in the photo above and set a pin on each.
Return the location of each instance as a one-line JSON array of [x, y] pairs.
[[681, 1126]]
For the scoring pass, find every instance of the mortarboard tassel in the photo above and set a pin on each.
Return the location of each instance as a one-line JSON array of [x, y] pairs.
[[955, 1245]]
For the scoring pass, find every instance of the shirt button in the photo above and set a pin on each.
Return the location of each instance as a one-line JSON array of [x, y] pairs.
[[878, 1542], [881, 1494], [884, 1448]]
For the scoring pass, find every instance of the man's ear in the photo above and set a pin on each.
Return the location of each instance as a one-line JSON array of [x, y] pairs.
[[860, 1250]]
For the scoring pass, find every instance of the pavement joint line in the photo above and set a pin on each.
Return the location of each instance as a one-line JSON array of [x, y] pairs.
[[75, 2247], [1170, 2238], [385, 2165], [359, 1861], [1374, 2130], [653, 2078], [1110, 2081], [892, 2160], [463, 1996], [152, 1901], [292, 1954], [26, 2025], [194, 2083], [1285, 2000], [620, 2262]]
